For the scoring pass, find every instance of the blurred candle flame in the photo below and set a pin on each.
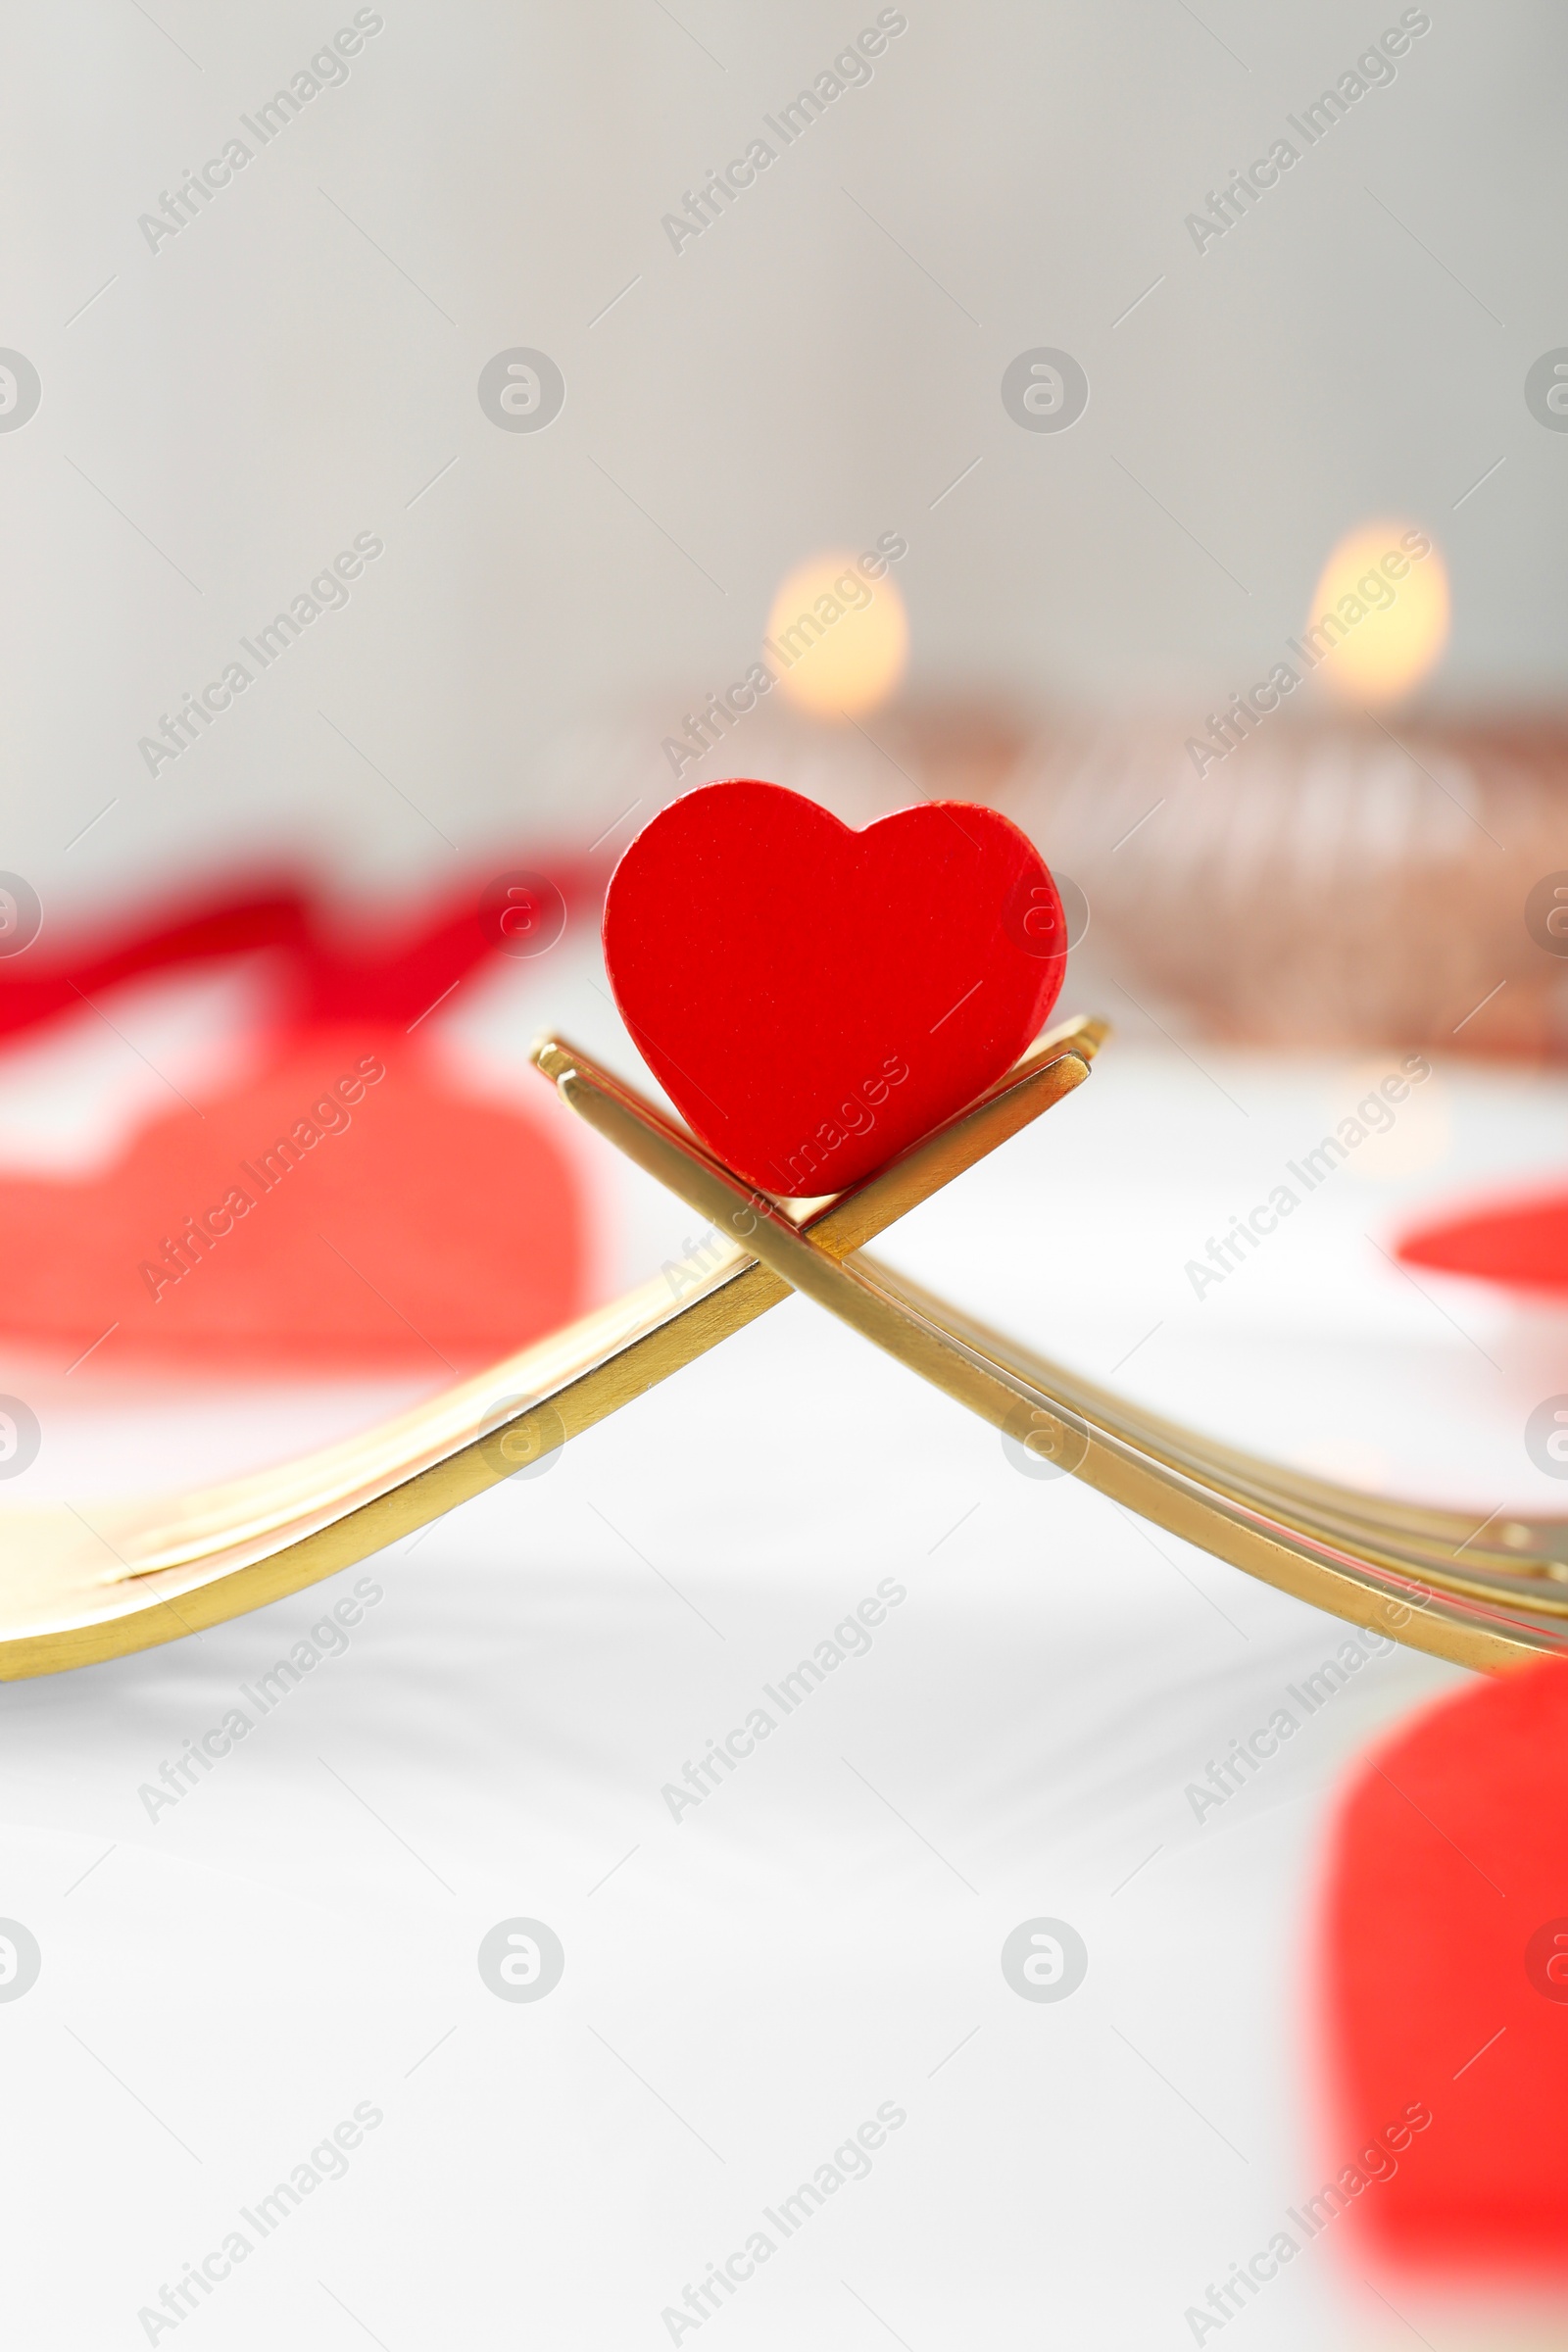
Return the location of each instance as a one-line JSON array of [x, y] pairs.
[[1382, 609], [838, 639]]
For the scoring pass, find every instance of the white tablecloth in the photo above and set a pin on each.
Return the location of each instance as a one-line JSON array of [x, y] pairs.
[[293, 1942]]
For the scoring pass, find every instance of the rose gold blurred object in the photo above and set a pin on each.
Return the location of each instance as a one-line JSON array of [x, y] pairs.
[[1322, 884]]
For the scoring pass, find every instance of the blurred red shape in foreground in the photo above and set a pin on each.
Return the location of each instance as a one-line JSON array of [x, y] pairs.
[[320, 1214], [1446, 1979], [1521, 1244], [347, 1206], [394, 968]]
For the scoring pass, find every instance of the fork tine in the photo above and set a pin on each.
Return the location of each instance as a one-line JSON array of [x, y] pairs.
[[81, 1586], [1166, 1477], [1404, 1536]]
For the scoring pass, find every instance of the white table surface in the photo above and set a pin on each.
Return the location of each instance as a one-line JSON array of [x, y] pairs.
[[222, 1985]]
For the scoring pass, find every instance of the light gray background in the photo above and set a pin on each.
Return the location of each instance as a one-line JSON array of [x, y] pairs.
[[280, 376]]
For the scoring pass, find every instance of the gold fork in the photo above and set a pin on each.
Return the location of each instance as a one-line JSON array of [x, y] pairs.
[[1423, 1576], [84, 1583], [72, 1591]]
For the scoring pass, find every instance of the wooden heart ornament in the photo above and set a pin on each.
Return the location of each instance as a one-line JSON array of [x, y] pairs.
[[813, 998]]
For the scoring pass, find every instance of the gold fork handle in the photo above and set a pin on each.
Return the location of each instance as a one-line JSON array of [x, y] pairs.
[[80, 1585], [1371, 1593]]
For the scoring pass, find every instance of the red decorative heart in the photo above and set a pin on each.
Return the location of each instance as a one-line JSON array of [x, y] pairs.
[[349, 1206], [1447, 1982], [814, 999]]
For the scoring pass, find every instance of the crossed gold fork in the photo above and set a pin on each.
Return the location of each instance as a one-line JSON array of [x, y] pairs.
[[76, 1586]]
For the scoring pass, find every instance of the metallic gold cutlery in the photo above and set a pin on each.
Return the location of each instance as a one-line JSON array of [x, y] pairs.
[[1427, 1577], [82, 1585]]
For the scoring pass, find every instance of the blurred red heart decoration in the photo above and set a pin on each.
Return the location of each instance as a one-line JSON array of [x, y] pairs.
[[1446, 1979], [352, 1205], [814, 999], [349, 1206]]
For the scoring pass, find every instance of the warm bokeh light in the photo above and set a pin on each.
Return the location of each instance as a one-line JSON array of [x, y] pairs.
[[838, 638], [1403, 1138], [1379, 614]]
